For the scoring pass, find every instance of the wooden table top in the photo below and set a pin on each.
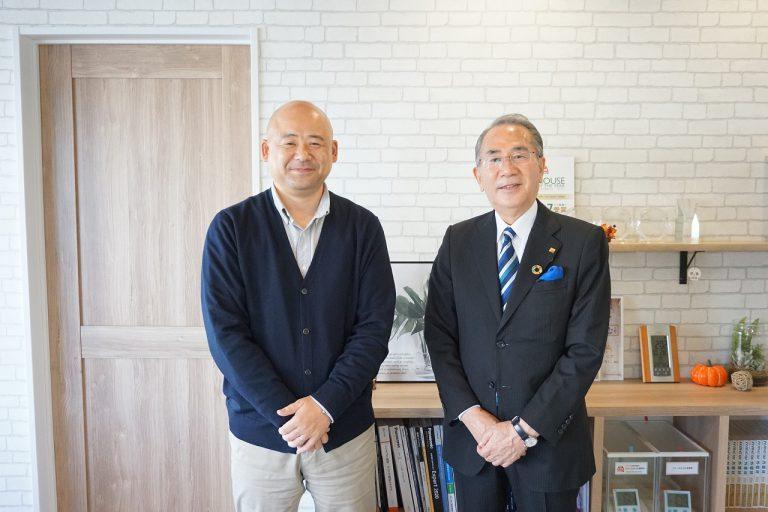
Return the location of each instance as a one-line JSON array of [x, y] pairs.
[[607, 398]]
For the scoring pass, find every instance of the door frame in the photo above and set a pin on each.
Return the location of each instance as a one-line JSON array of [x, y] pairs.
[[32, 244]]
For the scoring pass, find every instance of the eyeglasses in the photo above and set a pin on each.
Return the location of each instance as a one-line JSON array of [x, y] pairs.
[[515, 158]]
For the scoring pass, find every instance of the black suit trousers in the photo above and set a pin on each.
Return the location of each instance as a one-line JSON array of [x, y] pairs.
[[488, 491]]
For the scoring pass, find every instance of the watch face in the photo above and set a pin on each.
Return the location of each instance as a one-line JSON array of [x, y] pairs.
[[530, 442]]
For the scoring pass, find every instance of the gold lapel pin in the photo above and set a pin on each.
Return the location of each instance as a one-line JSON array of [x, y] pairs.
[[552, 250], [536, 269]]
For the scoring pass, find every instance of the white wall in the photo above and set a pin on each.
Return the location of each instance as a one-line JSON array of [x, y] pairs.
[[654, 98]]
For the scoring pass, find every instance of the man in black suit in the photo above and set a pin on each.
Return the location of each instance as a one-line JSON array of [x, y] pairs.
[[516, 325]]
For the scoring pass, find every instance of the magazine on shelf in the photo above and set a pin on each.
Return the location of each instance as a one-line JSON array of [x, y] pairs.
[[387, 464]]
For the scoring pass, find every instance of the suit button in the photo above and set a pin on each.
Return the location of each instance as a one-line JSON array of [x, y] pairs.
[[500, 344], [307, 372], [304, 291], [491, 385], [305, 331]]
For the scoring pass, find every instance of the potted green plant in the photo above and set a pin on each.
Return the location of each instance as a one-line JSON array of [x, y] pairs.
[[745, 354]]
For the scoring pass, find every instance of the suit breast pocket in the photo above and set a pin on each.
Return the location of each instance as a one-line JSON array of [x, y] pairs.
[[545, 286], [543, 309]]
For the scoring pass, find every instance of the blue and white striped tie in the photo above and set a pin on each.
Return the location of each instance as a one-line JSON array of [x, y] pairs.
[[508, 265]]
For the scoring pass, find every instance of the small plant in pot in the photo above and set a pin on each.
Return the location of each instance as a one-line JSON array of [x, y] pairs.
[[745, 354]]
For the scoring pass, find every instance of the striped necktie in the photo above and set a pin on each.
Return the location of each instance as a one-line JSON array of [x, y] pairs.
[[508, 265]]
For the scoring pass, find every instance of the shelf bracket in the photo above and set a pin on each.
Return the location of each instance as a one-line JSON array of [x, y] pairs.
[[685, 263]]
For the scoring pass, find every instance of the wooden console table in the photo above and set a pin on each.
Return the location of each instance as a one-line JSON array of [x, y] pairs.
[[701, 412]]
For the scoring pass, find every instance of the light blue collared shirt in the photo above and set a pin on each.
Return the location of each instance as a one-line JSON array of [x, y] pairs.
[[304, 240]]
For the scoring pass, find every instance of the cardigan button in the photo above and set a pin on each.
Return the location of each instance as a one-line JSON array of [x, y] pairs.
[[304, 291], [305, 331]]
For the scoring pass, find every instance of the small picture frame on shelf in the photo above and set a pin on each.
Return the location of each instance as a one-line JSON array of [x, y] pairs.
[[613, 358], [408, 359], [658, 353]]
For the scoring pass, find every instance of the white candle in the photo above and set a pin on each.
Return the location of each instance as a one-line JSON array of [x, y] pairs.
[[695, 228]]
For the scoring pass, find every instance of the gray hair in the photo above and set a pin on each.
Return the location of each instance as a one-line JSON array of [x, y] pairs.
[[513, 120]]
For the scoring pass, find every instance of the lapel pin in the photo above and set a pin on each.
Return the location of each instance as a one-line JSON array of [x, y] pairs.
[[552, 250], [536, 269]]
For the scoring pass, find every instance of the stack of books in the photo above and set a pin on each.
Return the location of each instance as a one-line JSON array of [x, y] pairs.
[[412, 475], [747, 465]]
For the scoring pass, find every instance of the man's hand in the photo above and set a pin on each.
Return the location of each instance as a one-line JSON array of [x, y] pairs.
[[478, 420], [500, 445], [308, 429]]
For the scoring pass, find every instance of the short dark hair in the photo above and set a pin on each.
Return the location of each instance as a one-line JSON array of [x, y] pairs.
[[514, 120]]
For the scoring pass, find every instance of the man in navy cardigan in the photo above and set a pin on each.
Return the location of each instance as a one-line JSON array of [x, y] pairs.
[[298, 300]]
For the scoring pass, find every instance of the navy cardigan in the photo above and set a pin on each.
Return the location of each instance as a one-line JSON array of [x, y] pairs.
[[278, 337]]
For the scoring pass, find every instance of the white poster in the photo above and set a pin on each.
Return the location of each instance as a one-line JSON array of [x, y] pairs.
[[408, 358], [613, 359], [557, 185]]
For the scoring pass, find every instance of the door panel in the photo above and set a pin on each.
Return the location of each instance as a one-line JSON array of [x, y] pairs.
[[161, 162], [159, 439], [141, 146]]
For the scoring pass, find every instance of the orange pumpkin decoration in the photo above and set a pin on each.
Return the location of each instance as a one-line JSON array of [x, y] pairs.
[[709, 374]]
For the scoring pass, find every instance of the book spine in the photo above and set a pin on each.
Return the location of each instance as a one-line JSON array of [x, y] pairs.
[[438, 429], [385, 446], [413, 474], [379, 472], [401, 468], [434, 478], [450, 484], [426, 491]]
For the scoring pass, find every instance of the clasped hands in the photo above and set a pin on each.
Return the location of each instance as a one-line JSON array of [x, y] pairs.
[[497, 441], [308, 429]]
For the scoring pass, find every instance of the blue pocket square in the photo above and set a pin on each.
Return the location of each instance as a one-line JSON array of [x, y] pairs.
[[553, 273]]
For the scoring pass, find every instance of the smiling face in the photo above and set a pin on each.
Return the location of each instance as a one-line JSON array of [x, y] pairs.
[[299, 149], [511, 188]]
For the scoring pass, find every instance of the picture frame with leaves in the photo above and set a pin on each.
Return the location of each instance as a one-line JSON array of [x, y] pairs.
[[408, 359]]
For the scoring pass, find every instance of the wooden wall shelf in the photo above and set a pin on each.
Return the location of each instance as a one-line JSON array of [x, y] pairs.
[[703, 245], [703, 413], [684, 248]]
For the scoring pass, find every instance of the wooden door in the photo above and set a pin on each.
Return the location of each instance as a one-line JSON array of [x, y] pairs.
[[142, 145]]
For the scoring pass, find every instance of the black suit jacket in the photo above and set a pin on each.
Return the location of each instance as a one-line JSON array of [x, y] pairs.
[[541, 355]]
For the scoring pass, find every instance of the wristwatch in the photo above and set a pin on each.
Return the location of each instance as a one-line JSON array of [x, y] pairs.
[[528, 441]]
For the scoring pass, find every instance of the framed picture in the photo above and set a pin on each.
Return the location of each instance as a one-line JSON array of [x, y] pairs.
[[408, 359], [658, 353], [613, 359]]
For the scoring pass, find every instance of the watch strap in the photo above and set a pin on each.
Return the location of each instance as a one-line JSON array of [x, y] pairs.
[[516, 425]]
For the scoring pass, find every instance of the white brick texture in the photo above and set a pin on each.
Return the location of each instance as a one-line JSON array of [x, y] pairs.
[[653, 98]]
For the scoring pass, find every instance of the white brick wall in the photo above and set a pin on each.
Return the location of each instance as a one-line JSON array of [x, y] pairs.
[[653, 98]]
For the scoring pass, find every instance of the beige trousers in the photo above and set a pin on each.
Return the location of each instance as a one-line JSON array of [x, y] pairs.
[[342, 480]]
